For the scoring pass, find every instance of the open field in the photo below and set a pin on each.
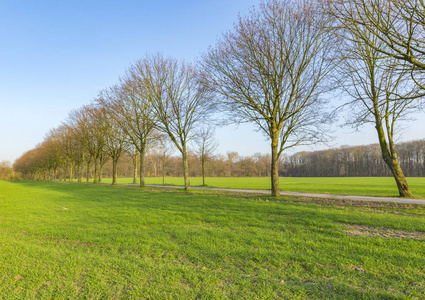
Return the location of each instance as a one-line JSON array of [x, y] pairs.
[[80, 241], [361, 186]]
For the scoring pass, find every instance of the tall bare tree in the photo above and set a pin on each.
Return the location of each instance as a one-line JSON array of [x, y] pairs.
[[129, 105], [380, 87], [271, 70], [91, 127], [178, 99], [76, 140], [114, 135], [79, 120], [72, 154]]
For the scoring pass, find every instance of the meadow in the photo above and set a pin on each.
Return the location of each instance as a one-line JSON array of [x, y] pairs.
[[68, 241], [361, 186]]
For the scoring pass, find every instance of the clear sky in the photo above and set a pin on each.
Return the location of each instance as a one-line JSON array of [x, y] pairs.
[[56, 55]]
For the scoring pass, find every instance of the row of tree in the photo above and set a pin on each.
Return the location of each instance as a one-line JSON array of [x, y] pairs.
[[354, 161], [345, 161], [158, 163], [276, 69]]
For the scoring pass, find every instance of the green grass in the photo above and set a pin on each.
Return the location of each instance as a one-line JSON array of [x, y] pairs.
[[67, 241], [362, 186]]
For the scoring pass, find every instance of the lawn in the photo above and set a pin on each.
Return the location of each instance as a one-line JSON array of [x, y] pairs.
[[362, 186], [67, 241]]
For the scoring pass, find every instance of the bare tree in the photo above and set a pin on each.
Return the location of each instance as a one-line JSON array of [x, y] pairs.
[[206, 145], [114, 135], [178, 99], [79, 120], [380, 88], [53, 156], [77, 141], [72, 154], [270, 70], [91, 128], [129, 105]]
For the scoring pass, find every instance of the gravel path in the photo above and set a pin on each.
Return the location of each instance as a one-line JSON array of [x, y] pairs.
[[344, 197]]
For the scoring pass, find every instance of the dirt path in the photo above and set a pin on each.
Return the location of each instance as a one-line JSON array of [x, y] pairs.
[[314, 195]]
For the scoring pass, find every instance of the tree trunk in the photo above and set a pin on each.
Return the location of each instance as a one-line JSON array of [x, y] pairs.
[[163, 169], [71, 173], [96, 171], [88, 170], [392, 161], [203, 171], [80, 173], [400, 179], [185, 170], [142, 168], [275, 188], [100, 171], [114, 170], [135, 169]]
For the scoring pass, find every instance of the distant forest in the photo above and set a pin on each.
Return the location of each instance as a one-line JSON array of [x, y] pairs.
[[344, 161], [356, 161]]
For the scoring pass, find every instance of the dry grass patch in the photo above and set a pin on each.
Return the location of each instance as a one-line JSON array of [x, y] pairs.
[[371, 231]]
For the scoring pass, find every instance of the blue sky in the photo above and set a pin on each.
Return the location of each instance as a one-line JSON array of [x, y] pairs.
[[56, 55]]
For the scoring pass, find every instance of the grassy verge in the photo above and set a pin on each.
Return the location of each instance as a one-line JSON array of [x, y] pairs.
[[81, 241], [362, 186]]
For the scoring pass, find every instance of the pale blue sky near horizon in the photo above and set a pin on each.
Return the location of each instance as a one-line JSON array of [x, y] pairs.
[[56, 56]]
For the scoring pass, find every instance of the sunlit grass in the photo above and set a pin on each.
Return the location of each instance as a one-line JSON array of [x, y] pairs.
[[67, 241], [363, 186]]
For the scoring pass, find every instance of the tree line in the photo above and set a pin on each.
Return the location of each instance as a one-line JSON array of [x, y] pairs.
[[346, 161], [277, 68], [365, 160]]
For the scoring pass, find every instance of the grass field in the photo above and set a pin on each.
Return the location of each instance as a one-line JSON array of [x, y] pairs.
[[67, 241], [362, 186]]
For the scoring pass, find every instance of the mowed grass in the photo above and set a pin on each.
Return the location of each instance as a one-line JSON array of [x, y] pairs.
[[67, 241], [362, 186]]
